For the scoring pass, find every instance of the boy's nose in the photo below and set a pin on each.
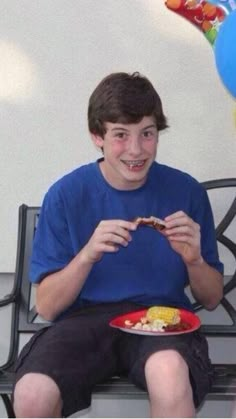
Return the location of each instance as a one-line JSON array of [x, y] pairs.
[[135, 147]]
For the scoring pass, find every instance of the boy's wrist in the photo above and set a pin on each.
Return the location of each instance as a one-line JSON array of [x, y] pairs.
[[197, 262]]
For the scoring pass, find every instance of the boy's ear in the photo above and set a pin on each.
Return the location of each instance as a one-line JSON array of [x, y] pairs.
[[97, 140]]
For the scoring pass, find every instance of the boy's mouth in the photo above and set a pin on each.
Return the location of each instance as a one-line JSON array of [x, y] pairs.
[[132, 164]]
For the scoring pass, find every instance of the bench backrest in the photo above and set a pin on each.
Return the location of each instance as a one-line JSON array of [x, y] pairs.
[[23, 309]]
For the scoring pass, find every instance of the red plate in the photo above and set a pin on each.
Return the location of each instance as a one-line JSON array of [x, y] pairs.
[[193, 323]]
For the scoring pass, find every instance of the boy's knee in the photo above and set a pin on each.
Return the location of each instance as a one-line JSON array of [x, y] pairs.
[[166, 362], [167, 374], [37, 395]]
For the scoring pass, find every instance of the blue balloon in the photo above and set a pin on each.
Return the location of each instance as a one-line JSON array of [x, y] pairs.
[[226, 5], [225, 52]]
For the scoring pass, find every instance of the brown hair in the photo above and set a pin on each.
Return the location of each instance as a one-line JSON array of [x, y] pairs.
[[124, 98]]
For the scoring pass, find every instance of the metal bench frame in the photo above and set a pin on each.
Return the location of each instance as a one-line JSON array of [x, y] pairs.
[[23, 315]]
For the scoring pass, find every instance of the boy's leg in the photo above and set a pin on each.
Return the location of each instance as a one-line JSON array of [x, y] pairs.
[[64, 362], [69, 359], [37, 395], [168, 384], [170, 368]]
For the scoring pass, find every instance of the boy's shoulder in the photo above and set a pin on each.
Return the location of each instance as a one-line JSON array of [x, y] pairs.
[[174, 176], [74, 179]]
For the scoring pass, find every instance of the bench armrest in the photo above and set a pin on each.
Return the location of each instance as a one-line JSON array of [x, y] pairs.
[[8, 299]]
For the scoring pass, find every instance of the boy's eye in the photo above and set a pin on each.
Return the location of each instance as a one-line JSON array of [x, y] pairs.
[[147, 133], [120, 135]]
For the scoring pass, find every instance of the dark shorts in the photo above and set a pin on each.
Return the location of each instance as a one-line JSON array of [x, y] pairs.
[[82, 350]]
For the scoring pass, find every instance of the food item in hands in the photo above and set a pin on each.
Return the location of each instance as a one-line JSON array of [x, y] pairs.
[[168, 315], [152, 221]]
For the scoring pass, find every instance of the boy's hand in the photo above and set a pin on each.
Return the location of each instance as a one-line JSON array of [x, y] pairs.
[[184, 237], [108, 237]]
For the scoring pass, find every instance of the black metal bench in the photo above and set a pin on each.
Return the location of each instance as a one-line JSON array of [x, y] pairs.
[[24, 316]]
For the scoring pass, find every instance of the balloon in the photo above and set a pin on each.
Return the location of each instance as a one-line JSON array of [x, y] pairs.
[[225, 53], [205, 15], [227, 5]]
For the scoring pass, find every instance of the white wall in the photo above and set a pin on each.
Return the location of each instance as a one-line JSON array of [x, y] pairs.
[[54, 52]]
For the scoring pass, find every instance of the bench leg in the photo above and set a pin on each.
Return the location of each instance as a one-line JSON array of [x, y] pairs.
[[8, 405]]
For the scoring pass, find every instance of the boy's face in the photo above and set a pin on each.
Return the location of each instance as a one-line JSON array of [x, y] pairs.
[[129, 150]]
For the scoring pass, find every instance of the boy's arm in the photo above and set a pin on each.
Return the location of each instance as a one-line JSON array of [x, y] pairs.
[[57, 291], [206, 284], [184, 236]]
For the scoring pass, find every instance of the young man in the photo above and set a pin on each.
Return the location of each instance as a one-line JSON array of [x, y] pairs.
[[91, 263]]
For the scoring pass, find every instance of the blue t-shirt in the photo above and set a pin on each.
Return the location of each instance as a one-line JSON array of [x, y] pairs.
[[147, 271]]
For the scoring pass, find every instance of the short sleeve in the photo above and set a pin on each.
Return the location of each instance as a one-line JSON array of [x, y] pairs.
[[52, 249]]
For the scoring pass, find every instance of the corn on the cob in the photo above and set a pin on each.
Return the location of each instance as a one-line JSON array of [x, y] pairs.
[[168, 314]]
